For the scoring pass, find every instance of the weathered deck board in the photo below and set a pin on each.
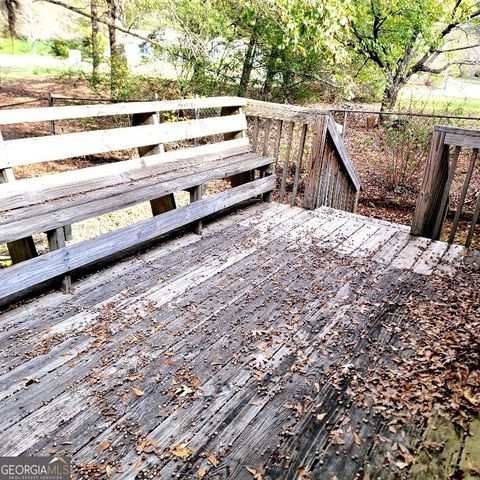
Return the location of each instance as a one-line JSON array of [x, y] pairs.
[[232, 340]]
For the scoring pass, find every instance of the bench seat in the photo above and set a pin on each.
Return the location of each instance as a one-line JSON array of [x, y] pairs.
[[201, 147], [38, 205]]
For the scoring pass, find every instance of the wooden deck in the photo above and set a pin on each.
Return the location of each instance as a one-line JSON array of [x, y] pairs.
[[216, 356]]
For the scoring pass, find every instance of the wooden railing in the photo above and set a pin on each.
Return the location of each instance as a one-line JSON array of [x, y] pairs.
[[312, 165], [442, 169]]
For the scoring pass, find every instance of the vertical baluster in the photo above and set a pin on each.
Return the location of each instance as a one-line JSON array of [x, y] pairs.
[[463, 195], [266, 137], [301, 148], [471, 231], [279, 138], [286, 161], [446, 194], [255, 134]]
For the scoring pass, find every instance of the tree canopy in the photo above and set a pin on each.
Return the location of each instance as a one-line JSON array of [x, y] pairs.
[[287, 49]]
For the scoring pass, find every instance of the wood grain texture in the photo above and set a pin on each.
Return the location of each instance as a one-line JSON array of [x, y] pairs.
[[68, 209], [29, 115], [50, 265], [234, 339], [41, 149]]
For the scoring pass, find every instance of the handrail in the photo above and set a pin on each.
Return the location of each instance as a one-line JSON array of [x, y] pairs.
[[433, 201], [330, 179]]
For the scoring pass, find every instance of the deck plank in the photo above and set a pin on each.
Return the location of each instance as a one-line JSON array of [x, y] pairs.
[[235, 340]]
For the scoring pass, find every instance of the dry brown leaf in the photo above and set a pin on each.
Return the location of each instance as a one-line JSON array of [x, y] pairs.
[[132, 378], [356, 438], [472, 466], [184, 390], [213, 460], [257, 473], [336, 436], [108, 470], [320, 416], [201, 473], [303, 474], [170, 361], [29, 380], [138, 392], [180, 450], [473, 399], [102, 447]]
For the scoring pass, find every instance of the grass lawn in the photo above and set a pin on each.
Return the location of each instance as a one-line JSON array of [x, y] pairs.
[[13, 73], [440, 105], [20, 46]]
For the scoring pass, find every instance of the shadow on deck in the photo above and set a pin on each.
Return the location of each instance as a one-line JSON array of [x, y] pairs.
[[240, 354]]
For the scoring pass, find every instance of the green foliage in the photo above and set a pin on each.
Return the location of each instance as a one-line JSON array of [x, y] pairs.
[[59, 48], [294, 52], [402, 37], [23, 46]]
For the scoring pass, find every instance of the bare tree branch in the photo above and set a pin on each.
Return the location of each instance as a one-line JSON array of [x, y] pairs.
[[457, 49], [101, 20], [448, 65]]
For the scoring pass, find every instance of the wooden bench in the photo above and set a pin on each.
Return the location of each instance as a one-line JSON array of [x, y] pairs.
[[53, 202]]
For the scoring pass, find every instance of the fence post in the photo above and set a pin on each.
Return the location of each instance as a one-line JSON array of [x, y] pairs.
[[429, 206], [50, 104]]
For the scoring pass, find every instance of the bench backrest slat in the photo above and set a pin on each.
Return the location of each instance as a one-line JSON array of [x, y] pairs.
[[31, 115], [41, 149]]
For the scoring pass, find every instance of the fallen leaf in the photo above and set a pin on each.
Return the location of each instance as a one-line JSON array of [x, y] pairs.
[[138, 392], [102, 447], [473, 399], [180, 450], [303, 474], [320, 416], [472, 466], [336, 436], [108, 470], [132, 378], [401, 465], [201, 472], [356, 438], [184, 390], [257, 473], [213, 460], [29, 380]]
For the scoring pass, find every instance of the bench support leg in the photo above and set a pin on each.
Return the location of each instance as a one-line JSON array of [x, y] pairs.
[[23, 249], [163, 204], [56, 240], [267, 171], [196, 194]]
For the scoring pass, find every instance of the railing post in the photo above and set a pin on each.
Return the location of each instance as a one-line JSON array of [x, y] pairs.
[[312, 188], [429, 206]]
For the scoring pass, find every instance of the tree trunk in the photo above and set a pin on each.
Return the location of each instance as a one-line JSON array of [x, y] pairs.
[[248, 64], [118, 60], [95, 52], [390, 94], [271, 67], [13, 11]]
